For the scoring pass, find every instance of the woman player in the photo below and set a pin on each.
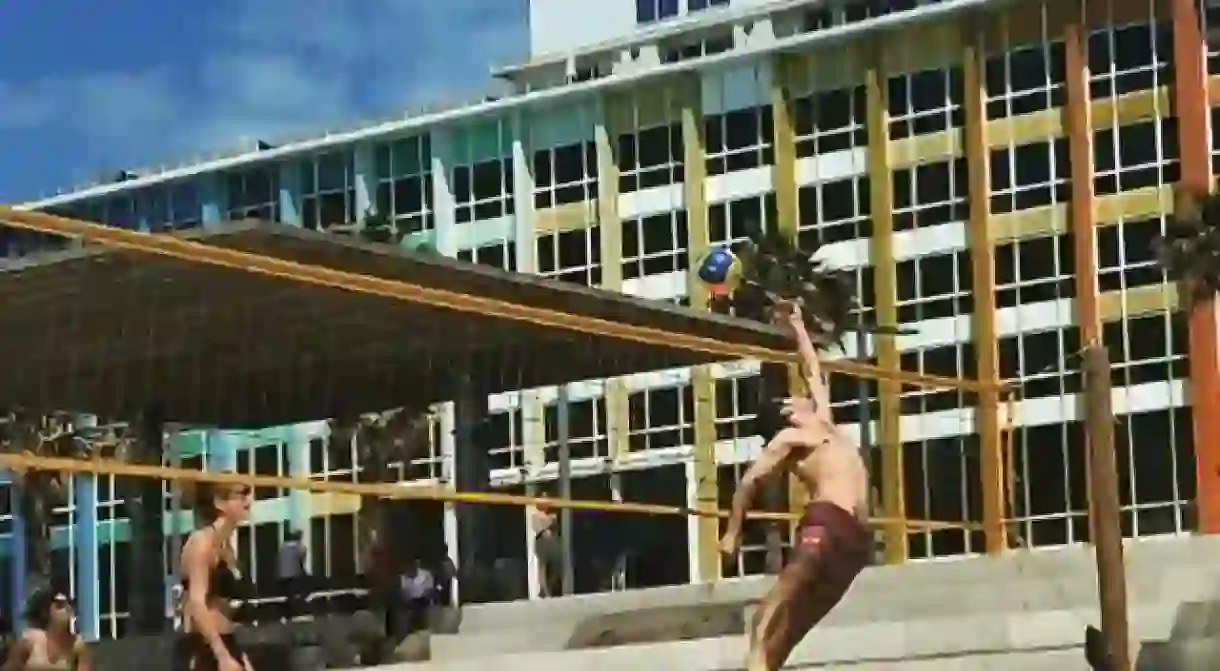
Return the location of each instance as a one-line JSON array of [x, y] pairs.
[[49, 644], [212, 581]]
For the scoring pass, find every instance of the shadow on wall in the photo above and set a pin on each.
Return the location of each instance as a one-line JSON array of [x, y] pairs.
[[1193, 644]]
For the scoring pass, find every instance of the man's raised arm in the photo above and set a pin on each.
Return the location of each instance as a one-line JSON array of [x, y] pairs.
[[813, 365]]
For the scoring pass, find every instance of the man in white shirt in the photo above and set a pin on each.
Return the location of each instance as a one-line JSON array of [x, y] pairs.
[[418, 590]]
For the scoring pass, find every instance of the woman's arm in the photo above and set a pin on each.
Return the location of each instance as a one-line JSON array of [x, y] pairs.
[[18, 655], [197, 565]]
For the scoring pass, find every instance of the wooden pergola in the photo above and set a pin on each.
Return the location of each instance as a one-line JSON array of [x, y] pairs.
[[115, 332]]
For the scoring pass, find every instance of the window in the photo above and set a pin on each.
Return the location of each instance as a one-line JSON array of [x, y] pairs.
[[1030, 175], [1051, 491], [1156, 471], [565, 174], [1135, 156], [1041, 363], [173, 208], [504, 439], [332, 551], [661, 418], [739, 140], [835, 211], [717, 41], [752, 560], [925, 102], [829, 121], [404, 183], [647, 11], [501, 254], [1133, 57], [655, 245], [254, 193], [1149, 348], [1033, 270], [954, 361], [482, 182], [335, 461], [427, 458], [1126, 254], [737, 407], [650, 157], [941, 481], [571, 256], [734, 221], [1025, 80], [934, 286], [930, 195], [700, 5], [266, 459], [328, 190], [586, 429]]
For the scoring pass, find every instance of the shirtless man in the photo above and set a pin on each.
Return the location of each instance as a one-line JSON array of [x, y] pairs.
[[832, 542]]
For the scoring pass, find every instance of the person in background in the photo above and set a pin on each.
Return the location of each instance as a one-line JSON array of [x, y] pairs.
[[418, 591], [549, 551], [292, 574], [49, 643], [446, 574]]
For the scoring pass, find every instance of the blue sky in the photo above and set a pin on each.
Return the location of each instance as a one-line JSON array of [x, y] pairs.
[[88, 87]]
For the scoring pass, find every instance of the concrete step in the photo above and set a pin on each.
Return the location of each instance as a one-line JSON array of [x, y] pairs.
[[856, 644], [1053, 579]]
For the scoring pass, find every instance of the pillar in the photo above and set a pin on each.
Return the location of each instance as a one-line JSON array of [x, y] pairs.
[[881, 192], [221, 451], [146, 506], [365, 175], [982, 270], [472, 473], [523, 199], [1078, 127], [1190, 103], [88, 596], [212, 199], [443, 214], [297, 455], [17, 572], [290, 192], [701, 476]]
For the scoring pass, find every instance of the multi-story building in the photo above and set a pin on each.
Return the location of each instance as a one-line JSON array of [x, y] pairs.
[[993, 173]]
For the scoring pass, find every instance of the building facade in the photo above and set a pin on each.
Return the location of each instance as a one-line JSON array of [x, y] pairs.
[[993, 174]]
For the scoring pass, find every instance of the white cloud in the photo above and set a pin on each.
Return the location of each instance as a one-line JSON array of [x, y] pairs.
[[277, 66]]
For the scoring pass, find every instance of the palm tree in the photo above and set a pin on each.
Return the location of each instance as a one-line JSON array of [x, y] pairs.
[[774, 269], [381, 439], [39, 492], [1190, 249]]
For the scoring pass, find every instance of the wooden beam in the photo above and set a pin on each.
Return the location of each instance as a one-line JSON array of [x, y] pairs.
[[1190, 103], [885, 269], [983, 321], [783, 177], [705, 564], [1104, 509]]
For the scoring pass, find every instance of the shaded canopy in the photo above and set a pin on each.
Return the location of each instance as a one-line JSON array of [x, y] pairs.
[[116, 332]]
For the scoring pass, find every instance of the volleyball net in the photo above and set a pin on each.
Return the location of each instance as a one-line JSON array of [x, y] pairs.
[[428, 379]]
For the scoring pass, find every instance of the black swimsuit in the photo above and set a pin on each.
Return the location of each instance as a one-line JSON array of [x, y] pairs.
[[192, 650]]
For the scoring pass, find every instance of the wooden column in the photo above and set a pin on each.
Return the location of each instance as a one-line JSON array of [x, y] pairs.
[[1190, 103], [881, 191], [705, 565], [607, 126], [983, 322], [1104, 509], [1078, 127]]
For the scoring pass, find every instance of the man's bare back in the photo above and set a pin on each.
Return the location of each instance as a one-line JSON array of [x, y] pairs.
[[832, 544]]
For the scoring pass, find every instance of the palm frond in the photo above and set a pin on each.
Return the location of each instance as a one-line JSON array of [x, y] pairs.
[[774, 269], [1189, 251]]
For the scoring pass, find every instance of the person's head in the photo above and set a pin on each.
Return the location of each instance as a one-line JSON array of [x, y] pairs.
[[49, 609], [217, 501], [294, 535], [412, 565]]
